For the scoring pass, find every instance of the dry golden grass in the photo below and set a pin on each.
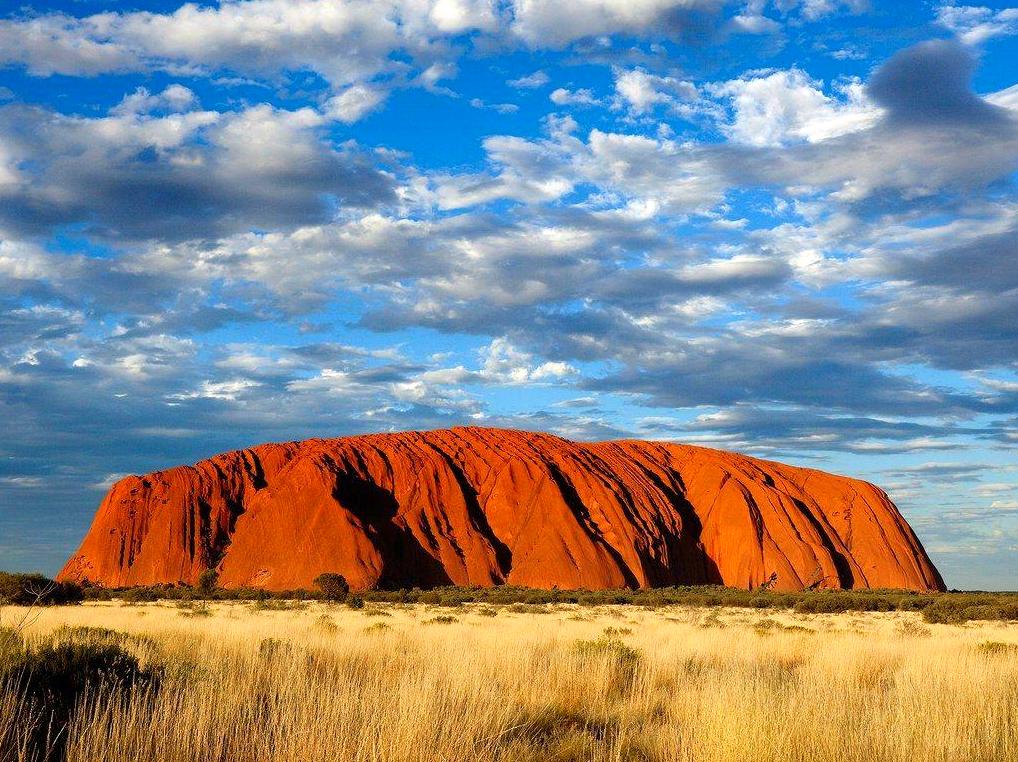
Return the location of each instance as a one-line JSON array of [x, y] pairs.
[[406, 684]]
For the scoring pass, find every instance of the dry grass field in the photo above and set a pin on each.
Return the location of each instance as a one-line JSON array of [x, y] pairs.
[[296, 682]]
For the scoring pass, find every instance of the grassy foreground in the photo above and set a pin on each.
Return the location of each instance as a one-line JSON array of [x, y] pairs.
[[274, 681]]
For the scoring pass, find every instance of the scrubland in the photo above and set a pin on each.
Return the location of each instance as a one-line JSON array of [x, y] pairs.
[[276, 681]]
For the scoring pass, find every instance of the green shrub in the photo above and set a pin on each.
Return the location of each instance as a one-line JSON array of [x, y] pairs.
[[35, 589], [712, 622], [141, 595], [208, 581], [442, 619], [355, 602], [607, 647], [333, 586], [617, 632]]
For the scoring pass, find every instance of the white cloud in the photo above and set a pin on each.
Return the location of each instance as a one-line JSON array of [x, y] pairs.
[[1007, 98], [640, 92], [107, 482], [501, 108], [345, 41], [23, 482], [976, 24], [673, 176], [503, 363], [456, 16], [530, 81], [227, 390], [174, 99], [563, 97], [778, 107], [754, 23], [354, 103], [202, 169], [817, 9], [994, 488], [651, 175]]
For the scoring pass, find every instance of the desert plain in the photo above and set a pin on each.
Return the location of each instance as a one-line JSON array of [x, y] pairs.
[[292, 681]]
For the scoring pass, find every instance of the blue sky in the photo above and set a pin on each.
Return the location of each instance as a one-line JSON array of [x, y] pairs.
[[785, 228]]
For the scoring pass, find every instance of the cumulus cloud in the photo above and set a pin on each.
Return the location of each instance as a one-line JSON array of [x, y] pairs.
[[934, 134], [774, 108], [639, 91], [564, 97], [976, 24], [507, 364], [354, 103], [173, 99], [345, 42], [135, 174]]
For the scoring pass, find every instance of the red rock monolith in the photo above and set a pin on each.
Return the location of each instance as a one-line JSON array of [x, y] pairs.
[[481, 506]]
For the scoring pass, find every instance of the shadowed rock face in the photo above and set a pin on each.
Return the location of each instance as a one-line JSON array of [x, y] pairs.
[[475, 506]]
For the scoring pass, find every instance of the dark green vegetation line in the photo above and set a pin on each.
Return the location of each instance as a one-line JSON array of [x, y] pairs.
[[953, 607]]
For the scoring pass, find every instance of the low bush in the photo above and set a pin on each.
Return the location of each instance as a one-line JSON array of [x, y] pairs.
[[607, 647], [831, 603], [37, 590], [442, 619], [52, 676], [621, 659], [333, 586]]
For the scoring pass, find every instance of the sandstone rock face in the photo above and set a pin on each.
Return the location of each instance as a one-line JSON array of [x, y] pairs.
[[475, 506]]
